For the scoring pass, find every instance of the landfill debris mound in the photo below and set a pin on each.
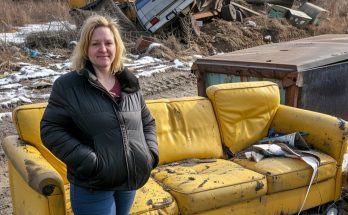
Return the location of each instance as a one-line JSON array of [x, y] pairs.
[[215, 34]]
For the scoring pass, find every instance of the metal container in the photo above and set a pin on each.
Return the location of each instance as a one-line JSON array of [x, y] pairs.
[[317, 13], [312, 73]]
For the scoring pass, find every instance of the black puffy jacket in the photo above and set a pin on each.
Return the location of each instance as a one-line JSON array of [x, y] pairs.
[[106, 144]]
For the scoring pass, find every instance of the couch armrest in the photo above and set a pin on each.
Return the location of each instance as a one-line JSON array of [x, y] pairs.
[[33, 167], [326, 133]]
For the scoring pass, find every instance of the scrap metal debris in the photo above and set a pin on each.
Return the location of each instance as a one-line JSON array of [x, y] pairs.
[[291, 145], [286, 3], [306, 14], [315, 12]]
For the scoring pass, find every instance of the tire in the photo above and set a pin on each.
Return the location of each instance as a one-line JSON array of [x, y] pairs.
[[186, 33], [239, 16], [228, 13], [189, 28]]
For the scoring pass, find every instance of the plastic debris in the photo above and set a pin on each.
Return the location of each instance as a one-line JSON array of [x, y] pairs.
[[32, 52], [250, 23]]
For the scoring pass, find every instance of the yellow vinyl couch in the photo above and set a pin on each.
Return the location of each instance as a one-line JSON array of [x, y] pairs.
[[193, 176]]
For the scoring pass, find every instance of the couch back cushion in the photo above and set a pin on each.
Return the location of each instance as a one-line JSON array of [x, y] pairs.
[[186, 128], [244, 111], [27, 120]]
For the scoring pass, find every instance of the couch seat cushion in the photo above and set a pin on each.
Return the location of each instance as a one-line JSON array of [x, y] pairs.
[[153, 199], [150, 199], [203, 184], [289, 173]]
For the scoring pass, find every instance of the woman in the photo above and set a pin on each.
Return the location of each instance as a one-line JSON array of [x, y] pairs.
[[98, 124]]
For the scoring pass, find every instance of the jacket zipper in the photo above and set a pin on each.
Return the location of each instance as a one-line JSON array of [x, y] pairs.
[[123, 128]]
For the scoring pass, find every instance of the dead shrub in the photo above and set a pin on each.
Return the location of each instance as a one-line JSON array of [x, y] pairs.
[[9, 53], [51, 39], [21, 12], [162, 52], [173, 43]]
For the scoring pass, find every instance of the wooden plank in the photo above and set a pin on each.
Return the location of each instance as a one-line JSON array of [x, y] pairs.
[[245, 8], [292, 95], [205, 14]]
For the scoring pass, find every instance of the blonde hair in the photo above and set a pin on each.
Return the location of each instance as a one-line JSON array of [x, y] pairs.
[[80, 53]]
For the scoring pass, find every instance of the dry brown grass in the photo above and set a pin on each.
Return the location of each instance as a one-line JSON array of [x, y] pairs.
[[21, 12], [337, 22]]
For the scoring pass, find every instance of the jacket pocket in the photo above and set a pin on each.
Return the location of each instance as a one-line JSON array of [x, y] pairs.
[[112, 170], [142, 157], [87, 167]]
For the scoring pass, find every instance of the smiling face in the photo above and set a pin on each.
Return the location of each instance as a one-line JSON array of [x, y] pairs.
[[102, 48]]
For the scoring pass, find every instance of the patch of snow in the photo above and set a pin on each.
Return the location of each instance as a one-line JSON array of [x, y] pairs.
[[39, 96], [14, 100], [6, 115], [178, 63], [152, 46], [28, 72], [35, 71], [60, 66], [148, 73], [10, 86], [143, 61], [22, 32]]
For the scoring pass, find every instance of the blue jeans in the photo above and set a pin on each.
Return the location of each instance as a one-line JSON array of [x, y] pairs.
[[90, 202]]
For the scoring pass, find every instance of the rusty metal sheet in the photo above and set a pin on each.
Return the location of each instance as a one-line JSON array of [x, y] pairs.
[[325, 90], [279, 59]]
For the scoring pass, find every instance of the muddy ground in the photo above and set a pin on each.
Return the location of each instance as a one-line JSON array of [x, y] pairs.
[[215, 37]]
